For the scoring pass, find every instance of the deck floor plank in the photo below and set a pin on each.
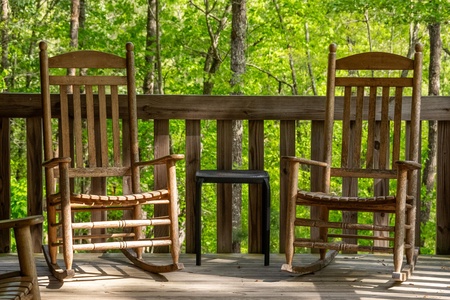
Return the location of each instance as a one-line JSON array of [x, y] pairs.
[[237, 276]]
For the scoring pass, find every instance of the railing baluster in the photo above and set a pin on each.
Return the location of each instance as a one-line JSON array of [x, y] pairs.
[[5, 185], [34, 177], [192, 156]]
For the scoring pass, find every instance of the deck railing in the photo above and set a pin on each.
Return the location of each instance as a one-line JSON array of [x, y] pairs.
[[224, 109]]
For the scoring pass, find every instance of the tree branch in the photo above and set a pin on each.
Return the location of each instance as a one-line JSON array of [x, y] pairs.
[[446, 50], [270, 75]]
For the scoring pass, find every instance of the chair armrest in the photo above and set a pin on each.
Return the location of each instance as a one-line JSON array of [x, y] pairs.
[[305, 161], [161, 160], [408, 164], [24, 222], [51, 163]]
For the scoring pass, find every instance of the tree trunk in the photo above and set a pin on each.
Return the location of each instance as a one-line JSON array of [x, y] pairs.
[[150, 50], [82, 21], [74, 23], [238, 60], [5, 35], [429, 171], [413, 40], [369, 35], [159, 87], [74, 26], [308, 56]]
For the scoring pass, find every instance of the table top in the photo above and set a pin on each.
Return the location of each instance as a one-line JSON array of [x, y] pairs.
[[232, 176]]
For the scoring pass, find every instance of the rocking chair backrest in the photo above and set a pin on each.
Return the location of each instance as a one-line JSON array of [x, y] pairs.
[[88, 110], [373, 87]]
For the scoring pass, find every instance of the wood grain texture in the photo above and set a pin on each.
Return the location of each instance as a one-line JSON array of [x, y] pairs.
[[200, 107], [242, 276]]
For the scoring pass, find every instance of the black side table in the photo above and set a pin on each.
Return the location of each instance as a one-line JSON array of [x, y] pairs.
[[234, 176]]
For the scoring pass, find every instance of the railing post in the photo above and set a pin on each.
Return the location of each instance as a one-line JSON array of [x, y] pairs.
[[34, 177], [256, 162], [224, 190], [5, 185], [443, 189], [162, 148], [287, 148], [192, 156], [317, 153]]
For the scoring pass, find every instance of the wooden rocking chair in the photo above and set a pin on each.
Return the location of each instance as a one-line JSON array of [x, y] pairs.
[[21, 284], [378, 134], [91, 136]]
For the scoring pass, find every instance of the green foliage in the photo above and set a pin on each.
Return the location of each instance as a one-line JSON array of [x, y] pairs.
[[3, 74], [274, 36]]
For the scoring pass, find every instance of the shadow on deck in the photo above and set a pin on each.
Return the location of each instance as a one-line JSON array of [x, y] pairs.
[[235, 276]]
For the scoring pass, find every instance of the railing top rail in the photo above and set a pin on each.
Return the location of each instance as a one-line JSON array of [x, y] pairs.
[[199, 107]]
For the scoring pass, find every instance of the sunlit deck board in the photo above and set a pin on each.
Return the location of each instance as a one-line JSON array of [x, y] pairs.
[[237, 276]]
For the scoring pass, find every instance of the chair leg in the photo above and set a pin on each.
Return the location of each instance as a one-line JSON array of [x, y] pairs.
[[52, 232], [66, 216], [54, 268], [67, 241], [400, 221], [175, 247], [411, 252], [266, 222], [290, 231], [50, 251], [290, 216], [323, 232], [26, 259], [138, 234], [399, 247], [198, 220]]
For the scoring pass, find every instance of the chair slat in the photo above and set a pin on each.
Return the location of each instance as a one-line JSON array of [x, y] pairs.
[[103, 126], [115, 125], [397, 126], [371, 128], [87, 80], [64, 120], [346, 127], [357, 131], [388, 82], [384, 130], [77, 126], [90, 126]]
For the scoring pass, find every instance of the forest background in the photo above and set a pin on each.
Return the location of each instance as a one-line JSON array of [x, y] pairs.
[[224, 47]]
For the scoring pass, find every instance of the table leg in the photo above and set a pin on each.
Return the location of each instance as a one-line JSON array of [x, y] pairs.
[[266, 221], [198, 220]]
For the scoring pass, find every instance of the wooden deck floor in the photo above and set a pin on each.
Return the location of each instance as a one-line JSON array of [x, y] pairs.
[[234, 276]]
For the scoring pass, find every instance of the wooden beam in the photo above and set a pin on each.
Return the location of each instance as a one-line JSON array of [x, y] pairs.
[[202, 107]]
